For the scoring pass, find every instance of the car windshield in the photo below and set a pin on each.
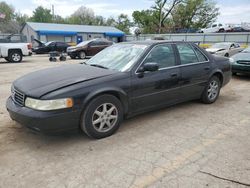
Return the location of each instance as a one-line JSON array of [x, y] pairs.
[[83, 43], [247, 50], [221, 45], [120, 57]]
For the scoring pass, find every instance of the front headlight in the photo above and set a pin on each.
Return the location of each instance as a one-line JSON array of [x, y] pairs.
[[231, 60], [46, 105]]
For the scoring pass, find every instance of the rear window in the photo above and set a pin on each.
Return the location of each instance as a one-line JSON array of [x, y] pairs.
[[200, 55], [187, 54]]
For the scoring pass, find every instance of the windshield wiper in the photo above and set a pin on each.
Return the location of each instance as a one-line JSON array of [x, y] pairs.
[[100, 66]]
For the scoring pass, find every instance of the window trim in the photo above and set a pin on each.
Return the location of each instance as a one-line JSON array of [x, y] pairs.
[[194, 47], [176, 52], [199, 62], [171, 44]]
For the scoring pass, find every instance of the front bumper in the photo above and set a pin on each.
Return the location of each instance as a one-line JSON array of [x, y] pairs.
[[44, 121], [72, 53], [239, 68]]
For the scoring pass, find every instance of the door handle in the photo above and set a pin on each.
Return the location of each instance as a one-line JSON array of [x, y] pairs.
[[174, 75], [207, 68]]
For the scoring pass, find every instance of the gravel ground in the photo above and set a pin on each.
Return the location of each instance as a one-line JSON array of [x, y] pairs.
[[188, 145]]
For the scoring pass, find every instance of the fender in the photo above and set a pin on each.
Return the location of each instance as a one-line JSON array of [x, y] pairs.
[[217, 71], [118, 92]]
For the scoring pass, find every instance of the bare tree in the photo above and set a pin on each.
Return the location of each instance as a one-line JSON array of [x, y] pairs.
[[163, 9]]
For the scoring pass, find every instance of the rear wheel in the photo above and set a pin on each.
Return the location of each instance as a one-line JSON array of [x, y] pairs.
[[226, 55], [102, 116], [212, 90], [15, 56], [82, 55]]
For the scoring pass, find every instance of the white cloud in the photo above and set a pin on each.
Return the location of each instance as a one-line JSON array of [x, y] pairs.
[[65, 8], [234, 14]]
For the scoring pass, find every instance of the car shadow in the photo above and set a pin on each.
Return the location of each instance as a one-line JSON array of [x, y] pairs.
[[242, 77]]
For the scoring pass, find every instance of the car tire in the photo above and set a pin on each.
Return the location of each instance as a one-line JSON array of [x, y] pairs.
[[102, 116], [221, 30], [211, 91], [82, 55], [15, 56], [226, 55], [73, 57]]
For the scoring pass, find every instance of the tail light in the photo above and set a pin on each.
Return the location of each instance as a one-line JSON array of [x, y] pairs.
[[29, 46]]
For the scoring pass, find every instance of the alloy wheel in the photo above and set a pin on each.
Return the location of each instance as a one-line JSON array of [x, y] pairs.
[[105, 117], [16, 57], [213, 90]]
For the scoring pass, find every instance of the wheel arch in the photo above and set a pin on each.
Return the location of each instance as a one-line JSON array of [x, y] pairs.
[[219, 74], [118, 93], [15, 49]]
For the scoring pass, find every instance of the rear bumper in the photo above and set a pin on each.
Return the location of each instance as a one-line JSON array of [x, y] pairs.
[[43, 121]]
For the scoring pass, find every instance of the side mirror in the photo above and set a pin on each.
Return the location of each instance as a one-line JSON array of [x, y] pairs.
[[150, 67]]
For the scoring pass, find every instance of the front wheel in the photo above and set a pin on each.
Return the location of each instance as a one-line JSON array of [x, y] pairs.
[[102, 116], [212, 90], [82, 55]]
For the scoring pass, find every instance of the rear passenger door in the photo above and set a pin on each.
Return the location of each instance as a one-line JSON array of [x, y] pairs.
[[195, 70]]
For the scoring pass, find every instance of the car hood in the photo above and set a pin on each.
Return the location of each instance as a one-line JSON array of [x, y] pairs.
[[40, 83], [213, 50], [241, 56], [71, 48]]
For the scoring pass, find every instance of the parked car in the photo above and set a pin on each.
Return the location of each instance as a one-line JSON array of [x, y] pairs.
[[88, 48], [14, 52], [239, 29], [121, 81], [51, 46], [215, 28], [226, 49], [241, 62]]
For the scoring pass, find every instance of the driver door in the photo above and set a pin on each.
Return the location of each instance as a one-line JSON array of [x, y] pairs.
[[159, 88]]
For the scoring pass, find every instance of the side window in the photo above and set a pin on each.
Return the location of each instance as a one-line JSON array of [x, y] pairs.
[[187, 54], [163, 55], [215, 25], [232, 46], [201, 56], [220, 25], [94, 43]]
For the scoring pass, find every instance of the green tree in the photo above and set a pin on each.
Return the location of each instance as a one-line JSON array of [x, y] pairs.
[[195, 14], [146, 20], [21, 18], [111, 22], [123, 23], [83, 16], [163, 9], [41, 14], [8, 10], [58, 19]]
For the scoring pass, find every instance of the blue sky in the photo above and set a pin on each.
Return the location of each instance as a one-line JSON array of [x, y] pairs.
[[231, 11]]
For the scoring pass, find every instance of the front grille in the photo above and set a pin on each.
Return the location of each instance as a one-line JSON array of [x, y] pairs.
[[18, 97], [244, 62]]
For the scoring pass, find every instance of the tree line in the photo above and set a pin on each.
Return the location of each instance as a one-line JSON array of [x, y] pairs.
[[164, 16]]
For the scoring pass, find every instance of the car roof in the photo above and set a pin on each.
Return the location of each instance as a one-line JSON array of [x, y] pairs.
[[151, 42]]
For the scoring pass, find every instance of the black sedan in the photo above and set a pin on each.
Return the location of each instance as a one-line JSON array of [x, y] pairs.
[[50, 47], [121, 81]]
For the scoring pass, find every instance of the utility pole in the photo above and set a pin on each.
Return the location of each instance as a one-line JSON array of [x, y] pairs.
[[53, 12]]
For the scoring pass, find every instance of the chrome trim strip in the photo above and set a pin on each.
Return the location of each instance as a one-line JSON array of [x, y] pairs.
[[176, 66]]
